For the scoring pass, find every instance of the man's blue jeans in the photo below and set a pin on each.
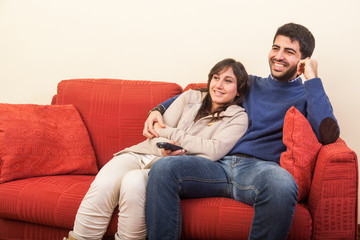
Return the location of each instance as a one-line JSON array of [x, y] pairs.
[[270, 189]]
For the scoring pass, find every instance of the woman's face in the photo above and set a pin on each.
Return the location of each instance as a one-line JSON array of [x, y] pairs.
[[223, 88]]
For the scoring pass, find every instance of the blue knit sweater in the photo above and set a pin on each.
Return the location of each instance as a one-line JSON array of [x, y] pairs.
[[267, 103]]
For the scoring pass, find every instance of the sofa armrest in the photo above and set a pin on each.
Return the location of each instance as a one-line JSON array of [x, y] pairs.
[[333, 198]]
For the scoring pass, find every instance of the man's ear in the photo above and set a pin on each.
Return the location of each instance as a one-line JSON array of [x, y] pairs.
[[300, 67]]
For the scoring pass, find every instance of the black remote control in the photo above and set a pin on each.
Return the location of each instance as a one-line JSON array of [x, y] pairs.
[[168, 146]]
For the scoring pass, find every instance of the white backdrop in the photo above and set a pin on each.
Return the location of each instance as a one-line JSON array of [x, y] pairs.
[[45, 41]]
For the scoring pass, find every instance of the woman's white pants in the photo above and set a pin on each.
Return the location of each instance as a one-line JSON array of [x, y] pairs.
[[121, 182]]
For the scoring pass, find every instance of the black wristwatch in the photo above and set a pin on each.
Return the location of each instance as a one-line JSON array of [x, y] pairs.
[[158, 108]]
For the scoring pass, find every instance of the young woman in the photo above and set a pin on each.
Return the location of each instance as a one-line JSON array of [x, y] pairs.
[[206, 123]]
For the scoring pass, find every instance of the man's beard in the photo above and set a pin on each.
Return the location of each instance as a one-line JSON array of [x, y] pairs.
[[287, 76]]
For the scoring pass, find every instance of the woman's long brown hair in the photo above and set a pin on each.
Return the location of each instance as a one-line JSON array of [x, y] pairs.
[[242, 82]]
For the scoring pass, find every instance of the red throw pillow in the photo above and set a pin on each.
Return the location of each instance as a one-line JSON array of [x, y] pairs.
[[302, 149], [40, 140]]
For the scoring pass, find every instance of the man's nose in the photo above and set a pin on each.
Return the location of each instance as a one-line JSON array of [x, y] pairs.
[[279, 54]]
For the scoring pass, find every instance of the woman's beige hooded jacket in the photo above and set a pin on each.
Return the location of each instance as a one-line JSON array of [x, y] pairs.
[[212, 140]]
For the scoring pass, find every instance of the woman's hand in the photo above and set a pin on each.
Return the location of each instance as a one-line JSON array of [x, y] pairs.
[[154, 117], [168, 153], [157, 127]]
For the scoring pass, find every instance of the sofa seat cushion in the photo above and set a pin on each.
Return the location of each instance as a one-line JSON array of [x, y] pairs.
[[11, 229], [223, 218], [16, 230], [54, 200], [51, 201]]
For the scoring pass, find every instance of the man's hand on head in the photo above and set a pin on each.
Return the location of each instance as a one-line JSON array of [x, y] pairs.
[[308, 67], [149, 130]]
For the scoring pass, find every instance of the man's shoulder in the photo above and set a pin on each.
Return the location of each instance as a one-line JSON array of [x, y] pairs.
[[259, 81], [254, 78]]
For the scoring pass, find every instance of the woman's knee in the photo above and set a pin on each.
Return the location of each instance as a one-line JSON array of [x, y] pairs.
[[110, 176], [107, 182], [134, 183]]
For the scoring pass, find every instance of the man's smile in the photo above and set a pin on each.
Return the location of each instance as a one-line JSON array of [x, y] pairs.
[[279, 65]]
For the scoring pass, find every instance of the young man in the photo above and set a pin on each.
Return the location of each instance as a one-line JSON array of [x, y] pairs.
[[250, 173]]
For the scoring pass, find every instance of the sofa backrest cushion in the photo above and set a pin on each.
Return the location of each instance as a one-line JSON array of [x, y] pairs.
[[114, 111], [195, 86], [302, 149], [41, 140]]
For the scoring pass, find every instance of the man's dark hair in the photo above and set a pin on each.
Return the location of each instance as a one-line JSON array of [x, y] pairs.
[[297, 32]]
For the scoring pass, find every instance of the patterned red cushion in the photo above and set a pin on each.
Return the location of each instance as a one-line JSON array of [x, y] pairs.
[[302, 149], [40, 140]]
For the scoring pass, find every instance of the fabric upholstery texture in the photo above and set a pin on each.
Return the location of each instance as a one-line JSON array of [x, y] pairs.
[[195, 86], [41, 140], [16, 230], [53, 200], [113, 110], [302, 148], [211, 218], [333, 198]]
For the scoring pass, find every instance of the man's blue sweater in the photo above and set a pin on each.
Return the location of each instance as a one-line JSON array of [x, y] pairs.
[[267, 102]]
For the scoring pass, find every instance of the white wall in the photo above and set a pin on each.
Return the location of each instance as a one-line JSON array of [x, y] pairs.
[[45, 41]]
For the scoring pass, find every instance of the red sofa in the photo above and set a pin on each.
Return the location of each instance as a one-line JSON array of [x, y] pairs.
[[113, 111]]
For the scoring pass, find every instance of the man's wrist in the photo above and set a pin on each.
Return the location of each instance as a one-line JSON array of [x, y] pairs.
[[159, 108]]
